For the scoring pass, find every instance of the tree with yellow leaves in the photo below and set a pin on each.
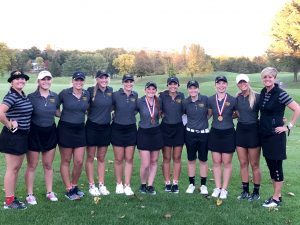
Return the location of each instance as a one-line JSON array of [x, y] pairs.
[[124, 63]]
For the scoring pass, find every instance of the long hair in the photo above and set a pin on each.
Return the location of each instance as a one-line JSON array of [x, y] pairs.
[[252, 97], [157, 105]]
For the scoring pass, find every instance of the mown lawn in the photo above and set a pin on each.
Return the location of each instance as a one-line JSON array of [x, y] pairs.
[[163, 208]]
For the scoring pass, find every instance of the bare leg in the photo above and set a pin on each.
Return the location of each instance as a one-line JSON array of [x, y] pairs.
[[129, 153], [119, 153], [47, 160], [32, 162]]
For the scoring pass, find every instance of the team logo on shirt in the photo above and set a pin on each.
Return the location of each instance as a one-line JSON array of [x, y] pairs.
[[52, 100], [201, 105], [132, 99], [109, 94], [227, 103], [84, 98], [178, 100]]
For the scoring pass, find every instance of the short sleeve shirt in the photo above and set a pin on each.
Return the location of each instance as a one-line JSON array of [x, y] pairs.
[[44, 109], [100, 105], [145, 116], [247, 115], [73, 108], [172, 109], [19, 108], [196, 112], [125, 107], [229, 108]]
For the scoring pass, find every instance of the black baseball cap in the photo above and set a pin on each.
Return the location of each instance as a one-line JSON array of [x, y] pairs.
[[151, 83], [173, 79], [127, 77], [192, 83], [78, 75], [101, 73], [17, 74], [221, 78]]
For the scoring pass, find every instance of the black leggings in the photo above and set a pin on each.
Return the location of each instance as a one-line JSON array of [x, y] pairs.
[[275, 168]]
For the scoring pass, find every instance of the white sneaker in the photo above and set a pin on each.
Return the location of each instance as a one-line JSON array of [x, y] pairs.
[[119, 189], [31, 200], [223, 194], [190, 189], [94, 190], [216, 193], [103, 190], [128, 191], [51, 196], [203, 190]]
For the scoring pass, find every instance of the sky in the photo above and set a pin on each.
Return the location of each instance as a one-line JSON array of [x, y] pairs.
[[221, 27]]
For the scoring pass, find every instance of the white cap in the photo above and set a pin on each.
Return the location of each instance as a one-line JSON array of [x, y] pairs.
[[242, 77], [44, 74]]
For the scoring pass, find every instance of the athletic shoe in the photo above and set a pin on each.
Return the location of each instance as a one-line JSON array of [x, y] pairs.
[[78, 191], [223, 193], [128, 191], [151, 190], [190, 189], [203, 190], [16, 204], [175, 188], [270, 203], [216, 193], [119, 189], [72, 195], [51, 196], [244, 195], [31, 200], [94, 191], [168, 188], [269, 199], [143, 189], [103, 190], [254, 197]]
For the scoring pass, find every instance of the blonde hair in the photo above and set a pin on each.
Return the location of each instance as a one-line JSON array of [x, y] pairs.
[[252, 96], [96, 88], [270, 71]]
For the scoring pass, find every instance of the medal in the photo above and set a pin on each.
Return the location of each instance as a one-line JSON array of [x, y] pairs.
[[152, 120], [220, 111]]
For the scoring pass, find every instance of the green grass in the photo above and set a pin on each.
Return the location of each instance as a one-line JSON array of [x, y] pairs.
[[144, 209]]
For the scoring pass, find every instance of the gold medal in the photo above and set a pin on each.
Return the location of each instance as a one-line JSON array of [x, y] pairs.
[[220, 118]]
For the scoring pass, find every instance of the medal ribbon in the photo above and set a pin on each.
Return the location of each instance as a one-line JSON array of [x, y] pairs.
[[220, 111], [153, 108]]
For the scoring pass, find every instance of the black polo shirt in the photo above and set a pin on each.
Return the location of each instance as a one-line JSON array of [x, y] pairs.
[[74, 109], [145, 117], [44, 109], [229, 108], [124, 107], [20, 108], [196, 112], [246, 114], [172, 110], [100, 105]]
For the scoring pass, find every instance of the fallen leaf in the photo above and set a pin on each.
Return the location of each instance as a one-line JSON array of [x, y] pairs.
[[291, 194], [219, 202], [167, 216], [97, 200], [211, 179], [110, 161], [142, 206], [122, 217], [95, 158], [92, 212]]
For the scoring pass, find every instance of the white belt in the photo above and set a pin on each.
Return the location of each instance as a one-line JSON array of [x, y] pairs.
[[205, 131]]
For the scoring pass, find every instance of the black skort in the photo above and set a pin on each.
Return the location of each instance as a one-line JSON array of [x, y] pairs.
[[14, 143], [173, 134], [71, 135], [222, 141], [97, 135], [149, 139], [123, 135]]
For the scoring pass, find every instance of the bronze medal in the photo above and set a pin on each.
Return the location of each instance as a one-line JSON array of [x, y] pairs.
[[220, 118]]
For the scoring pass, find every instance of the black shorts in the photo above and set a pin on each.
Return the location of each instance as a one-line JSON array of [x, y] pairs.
[[123, 135], [247, 135], [42, 139], [71, 135], [222, 141], [14, 143], [173, 134], [97, 135], [274, 146], [275, 169], [149, 139], [196, 143]]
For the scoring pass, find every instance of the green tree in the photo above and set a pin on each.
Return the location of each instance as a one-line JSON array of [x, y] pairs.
[[286, 36], [110, 54], [142, 64], [124, 63], [5, 58]]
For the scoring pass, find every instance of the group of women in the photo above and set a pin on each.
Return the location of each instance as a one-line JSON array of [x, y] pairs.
[[29, 128]]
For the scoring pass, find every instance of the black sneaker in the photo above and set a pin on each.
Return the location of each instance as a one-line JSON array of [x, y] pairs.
[[244, 195], [151, 190], [72, 195], [254, 197], [271, 203], [78, 191], [175, 188], [16, 204], [143, 189], [168, 188], [269, 199]]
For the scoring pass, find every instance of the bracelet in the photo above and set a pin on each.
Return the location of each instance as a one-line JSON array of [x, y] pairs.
[[289, 130]]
